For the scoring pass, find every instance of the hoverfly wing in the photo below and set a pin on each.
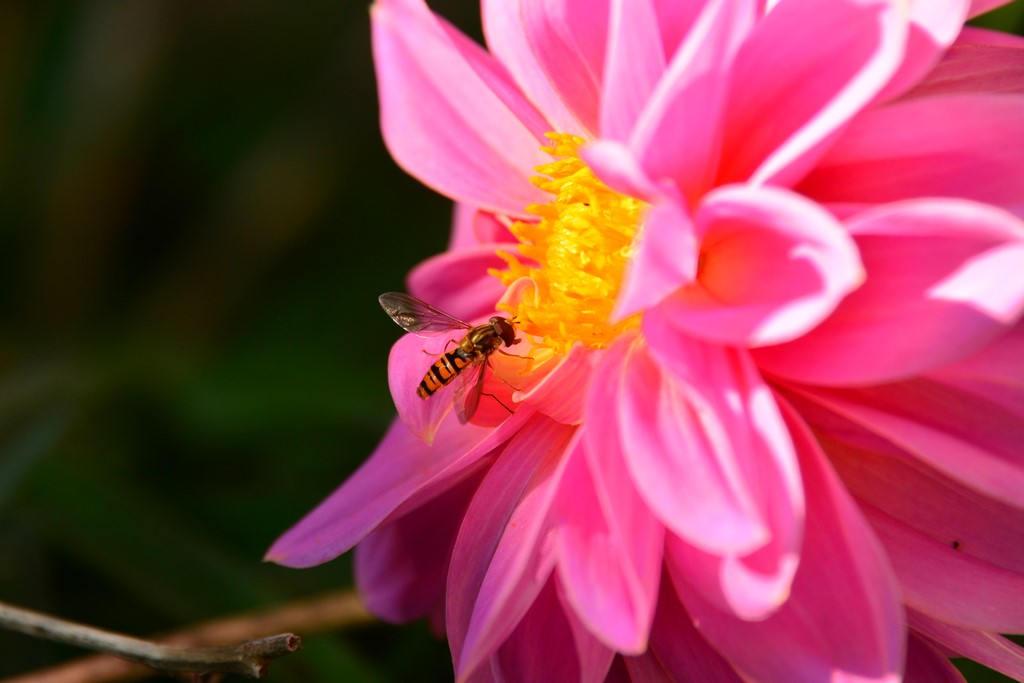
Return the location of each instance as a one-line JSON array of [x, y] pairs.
[[468, 392], [415, 315]]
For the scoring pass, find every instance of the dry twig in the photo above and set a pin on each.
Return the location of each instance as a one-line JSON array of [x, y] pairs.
[[310, 615]]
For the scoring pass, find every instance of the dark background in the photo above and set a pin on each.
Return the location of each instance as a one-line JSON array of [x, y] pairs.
[[196, 217]]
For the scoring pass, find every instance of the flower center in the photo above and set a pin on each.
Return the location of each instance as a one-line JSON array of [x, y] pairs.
[[575, 254]]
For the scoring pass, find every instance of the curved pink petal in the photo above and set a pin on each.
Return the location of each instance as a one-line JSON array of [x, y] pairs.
[[664, 259], [982, 6], [971, 441], [885, 477], [501, 562], [559, 392], [934, 25], [448, 114], [503, 29], [975, 70], [709, 453], [567, 40], [594, 656], [784, 105], [995, 374], [681, 649], [974, 36], [542, 647], [457, 281], [966, 146], [925, 664], [606, 574], [401, 567], [679, 451], [748, 582], [953, 587], [410, 359], [990, 649], [617, 167], [843, 620], [610, 546], [642, 668], [472, 227], [401, 466], [635, 62], [944, 270], [675, 20], [678, 135], [772, 266]]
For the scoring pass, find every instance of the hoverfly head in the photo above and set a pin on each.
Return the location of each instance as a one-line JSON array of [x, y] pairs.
[[505, 329]]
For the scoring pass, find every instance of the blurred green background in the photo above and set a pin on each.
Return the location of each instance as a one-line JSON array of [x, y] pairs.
[[196, 217]]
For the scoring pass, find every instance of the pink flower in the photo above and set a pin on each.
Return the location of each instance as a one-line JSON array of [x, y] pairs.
[[767, 418]]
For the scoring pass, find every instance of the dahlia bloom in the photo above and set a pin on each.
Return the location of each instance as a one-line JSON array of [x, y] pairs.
[[766, 422]]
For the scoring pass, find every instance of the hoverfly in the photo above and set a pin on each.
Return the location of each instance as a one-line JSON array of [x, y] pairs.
[[464, 365]]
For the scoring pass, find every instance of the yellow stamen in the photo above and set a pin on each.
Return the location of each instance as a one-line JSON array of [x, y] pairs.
[[575, 254]]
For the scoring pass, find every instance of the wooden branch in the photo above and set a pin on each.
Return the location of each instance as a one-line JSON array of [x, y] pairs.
[[310, 615]]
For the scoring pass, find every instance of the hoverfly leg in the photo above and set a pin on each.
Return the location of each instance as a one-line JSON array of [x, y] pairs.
[[512, 355], [500, 403], [446, 345], [506, 382]]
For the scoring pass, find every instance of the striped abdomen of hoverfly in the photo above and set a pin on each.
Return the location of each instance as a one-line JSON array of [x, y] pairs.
[[474, 349]]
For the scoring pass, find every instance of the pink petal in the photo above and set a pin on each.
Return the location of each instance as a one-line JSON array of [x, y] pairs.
[[706, 448], [457, 281], [680, 647], [472, 227], [503, 28], [401, 466], [410, 359], [645, 668], [943, 280], [675, 20], [542, 647], [635, 62], [843, 620], [664, 259], [791, 90], [940, 581], [989, 649], [568, 39], [610, 547], [975, 70], [884, 477], [595, 658], [501, 561], [982, 6], [619, 673], [618, 168], [966, 146], [560, 392], [448, 114], [934, 25], [972, 36], [401, 568], [750, 582], [696, 490], [772, 266], [925, 664], [971, 441], [678, 135], [995, 374]]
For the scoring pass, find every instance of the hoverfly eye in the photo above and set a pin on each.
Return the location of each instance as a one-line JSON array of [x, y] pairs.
[[506, 331]]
